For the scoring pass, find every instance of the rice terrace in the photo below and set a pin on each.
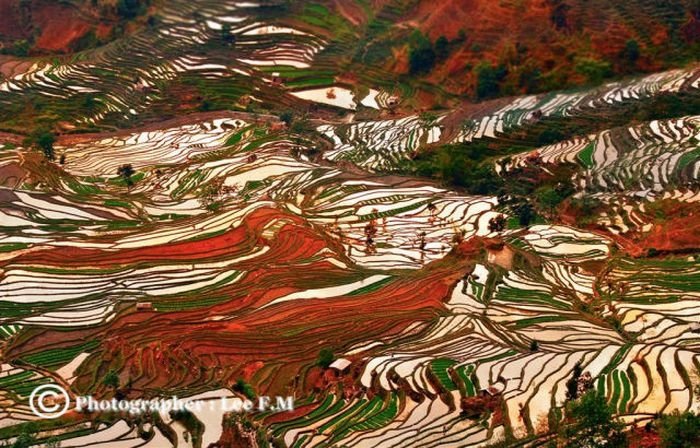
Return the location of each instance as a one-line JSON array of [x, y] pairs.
[[365, 223]]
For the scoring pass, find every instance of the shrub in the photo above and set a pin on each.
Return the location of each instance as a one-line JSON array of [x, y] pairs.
[[24, 440], [421, 55], [463, 165], [287, 117], [442, 48], [631, 51], [226, 34], [559, 14], [44, 140], [679, 430], [325, 358], [525, 214], [594, 70], [590, 423], [111, 379], [488, 78], [129, 9], [125, 172], [246, 389]]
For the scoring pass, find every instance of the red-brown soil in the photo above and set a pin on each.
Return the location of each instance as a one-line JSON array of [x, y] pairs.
[[10, 20], [239, 338], [55, 26], [60, 26]]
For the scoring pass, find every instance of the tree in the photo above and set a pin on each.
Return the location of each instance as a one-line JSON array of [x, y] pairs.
[[111, 379], [19, 48], [89, 102], [206, 105], [549, 198], [44, 139], [679, 430], [534, 345], [125, 172], [464, 165], [572, 383], [246, 389], [525, 214], [488, 78], [226, 34], [53, 442], [559, 14], [442, 48], [589, 423], [497, 223], [421, 55], [129, 9], [287, 117], [325, 358], [631, 51], [549, 136], [594, 70], [24, 440]]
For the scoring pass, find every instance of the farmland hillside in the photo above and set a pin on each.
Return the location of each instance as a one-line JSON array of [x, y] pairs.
[[456, 223]]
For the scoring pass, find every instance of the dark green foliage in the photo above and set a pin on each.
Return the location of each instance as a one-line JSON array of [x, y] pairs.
[[206, 105], [111, 379], [325, 358], [125, 172], [667, 106], [190, 422], [497, 223], [679, 430], [631, 51], [87, 40], [590, 423], [244, 388], [129, 9], [301, 127], [559, 13], [18, 48], [89, 103], [572, 383], [53, 442], [534, 345], [226, 34], [44, 140], [461, 36], [550, 196], [530, 79], [594, 70], [421, 55], [463, 165], [287, 117], [525, 214], [549, 136], [25, 440], [442, 48], [488, 78]]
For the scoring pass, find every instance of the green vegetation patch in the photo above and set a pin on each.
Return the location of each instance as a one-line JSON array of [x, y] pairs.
[[440, 368], [57, 357], [586, 155]]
